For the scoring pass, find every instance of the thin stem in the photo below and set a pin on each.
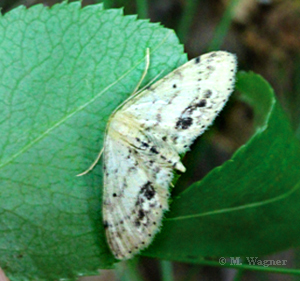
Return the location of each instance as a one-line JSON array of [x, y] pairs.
[[167, 271], [239, 274]]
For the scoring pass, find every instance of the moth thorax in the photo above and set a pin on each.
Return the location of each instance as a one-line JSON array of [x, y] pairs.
[[123, 124]]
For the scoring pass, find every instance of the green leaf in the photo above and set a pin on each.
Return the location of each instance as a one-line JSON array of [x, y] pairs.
[[63, 71], [250, 205]]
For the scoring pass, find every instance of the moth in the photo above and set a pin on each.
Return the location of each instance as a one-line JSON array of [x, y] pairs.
[[144, 140]]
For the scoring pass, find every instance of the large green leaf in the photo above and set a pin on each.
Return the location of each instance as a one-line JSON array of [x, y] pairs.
[[250, 205], [63, 71]]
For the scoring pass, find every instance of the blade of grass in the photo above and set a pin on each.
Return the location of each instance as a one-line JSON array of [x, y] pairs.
[[239, 274], [107, 3], [128, 271], [142, 8], [296, 94], [189, 10], [167, 271], [222, 28]]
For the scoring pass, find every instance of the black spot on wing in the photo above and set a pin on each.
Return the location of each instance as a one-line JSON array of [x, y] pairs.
[[184, 123], [174, 139], [197, 60], [154, 150], [144, 144], [207, 93], [148, 191], [193, 106], [131, 169], [202, 103], [141, 214]]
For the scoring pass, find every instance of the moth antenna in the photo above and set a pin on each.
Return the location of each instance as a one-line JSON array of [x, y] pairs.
[[145, 71], [93, 164], [136, 92], [151, 82], [133, 94]]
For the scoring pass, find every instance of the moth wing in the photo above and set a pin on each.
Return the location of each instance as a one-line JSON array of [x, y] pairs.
[[134, 196], [180, 106], [142, 144]]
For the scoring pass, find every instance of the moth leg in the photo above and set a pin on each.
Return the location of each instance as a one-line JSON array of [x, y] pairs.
[[93, 164]]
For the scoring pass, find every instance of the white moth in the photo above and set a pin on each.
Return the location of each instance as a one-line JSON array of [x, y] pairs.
[[144, 139]]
